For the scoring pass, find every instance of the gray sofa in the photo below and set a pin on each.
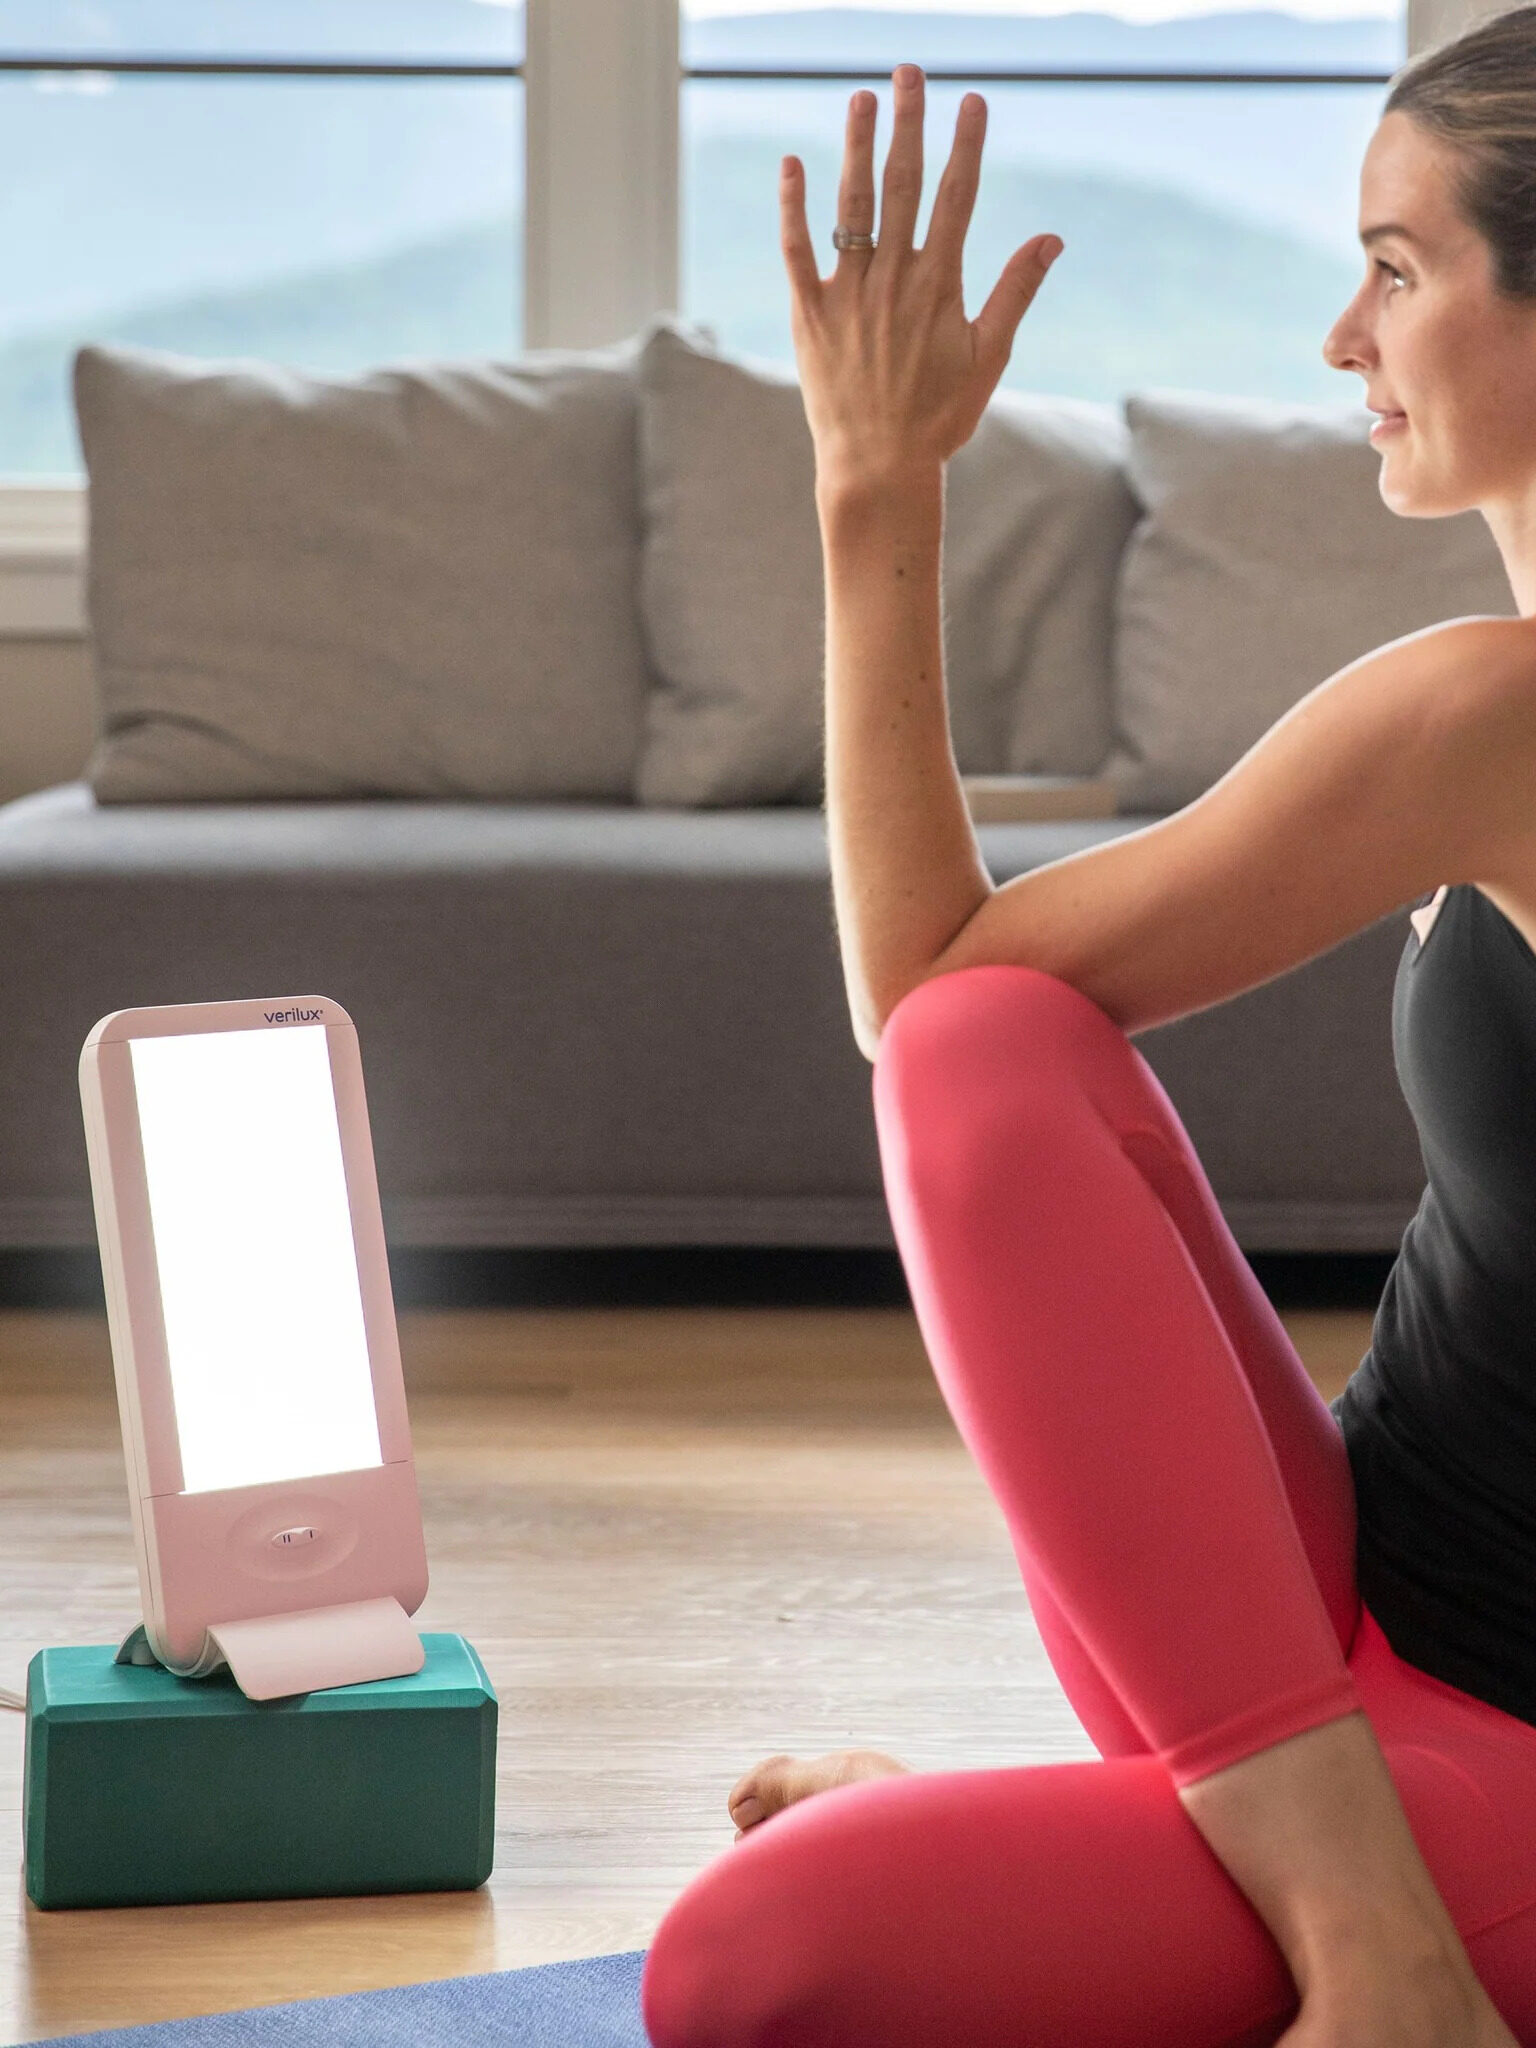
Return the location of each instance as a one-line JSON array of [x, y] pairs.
[[598, 991]]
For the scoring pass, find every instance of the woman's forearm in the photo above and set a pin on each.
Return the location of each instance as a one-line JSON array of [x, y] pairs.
[[907, 873], [895, 378]]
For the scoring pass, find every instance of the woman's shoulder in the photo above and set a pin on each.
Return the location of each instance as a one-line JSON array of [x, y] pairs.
[[1490, 662]]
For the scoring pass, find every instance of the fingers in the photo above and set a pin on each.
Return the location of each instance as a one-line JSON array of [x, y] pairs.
[[856, 193], [902, 189], [956, 197], [794, 234], [1023, 275]]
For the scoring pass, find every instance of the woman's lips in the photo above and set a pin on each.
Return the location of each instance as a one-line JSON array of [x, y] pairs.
[[1389, 423]]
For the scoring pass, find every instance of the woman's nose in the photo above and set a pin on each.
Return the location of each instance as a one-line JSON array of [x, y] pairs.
[[1349, 345]]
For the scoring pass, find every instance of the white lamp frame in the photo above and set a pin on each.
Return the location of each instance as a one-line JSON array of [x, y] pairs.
[[218, 1586]]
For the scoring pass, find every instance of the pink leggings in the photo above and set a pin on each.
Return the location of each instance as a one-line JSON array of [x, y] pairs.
[[1180, 1502]]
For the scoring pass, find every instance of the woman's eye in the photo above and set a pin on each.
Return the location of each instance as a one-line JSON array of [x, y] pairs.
[[1396, 275]]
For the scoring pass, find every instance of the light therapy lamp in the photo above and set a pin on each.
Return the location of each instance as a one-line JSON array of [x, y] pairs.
[[275, 1510]]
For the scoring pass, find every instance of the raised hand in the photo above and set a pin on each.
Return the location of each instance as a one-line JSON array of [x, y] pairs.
[[894, 376]]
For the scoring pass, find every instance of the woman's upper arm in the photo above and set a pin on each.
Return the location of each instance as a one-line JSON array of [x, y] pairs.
[[1399, 773]]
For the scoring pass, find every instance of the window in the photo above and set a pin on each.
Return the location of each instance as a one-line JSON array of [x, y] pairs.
[[1209, 226], [336, 183], [324, 182]]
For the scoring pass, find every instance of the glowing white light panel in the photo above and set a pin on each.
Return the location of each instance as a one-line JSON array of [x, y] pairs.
[[257, 1267]]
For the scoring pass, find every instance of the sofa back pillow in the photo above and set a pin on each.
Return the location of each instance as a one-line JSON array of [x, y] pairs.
[[1265, 561], [1037, 513], [415, 583]]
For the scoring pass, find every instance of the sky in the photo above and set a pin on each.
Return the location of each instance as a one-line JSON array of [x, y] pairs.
[[1126, 10]]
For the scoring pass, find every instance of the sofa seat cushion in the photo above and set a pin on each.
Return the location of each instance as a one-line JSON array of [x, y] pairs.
[[604, 1025], [419, 582]]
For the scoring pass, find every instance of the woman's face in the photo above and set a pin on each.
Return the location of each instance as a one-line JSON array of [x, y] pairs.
[[1448, 363]]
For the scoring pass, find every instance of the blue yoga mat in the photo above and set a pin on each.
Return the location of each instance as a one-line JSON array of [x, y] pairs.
[[589, 2004]]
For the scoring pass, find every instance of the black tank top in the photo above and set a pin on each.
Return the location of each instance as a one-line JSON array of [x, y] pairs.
[[1440, 1416]]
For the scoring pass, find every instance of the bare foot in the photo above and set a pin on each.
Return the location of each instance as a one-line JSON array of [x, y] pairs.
[[781, 1781]]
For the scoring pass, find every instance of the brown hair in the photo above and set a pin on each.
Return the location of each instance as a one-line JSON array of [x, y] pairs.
[[1478, 94]]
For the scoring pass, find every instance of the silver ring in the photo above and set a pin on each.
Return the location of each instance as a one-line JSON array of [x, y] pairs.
[[850, 238]]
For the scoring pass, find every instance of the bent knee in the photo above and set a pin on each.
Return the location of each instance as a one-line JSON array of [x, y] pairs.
[[984, 1019], [983, 1061]]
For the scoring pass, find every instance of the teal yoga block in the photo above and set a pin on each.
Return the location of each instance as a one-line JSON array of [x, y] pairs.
[[143, 1789]]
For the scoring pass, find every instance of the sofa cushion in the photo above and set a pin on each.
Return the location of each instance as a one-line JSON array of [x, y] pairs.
[[611, 1025], [731, 586], [418, 582], [1265, 561]]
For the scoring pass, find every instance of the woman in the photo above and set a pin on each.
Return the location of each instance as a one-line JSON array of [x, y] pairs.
[[1315, 1818]]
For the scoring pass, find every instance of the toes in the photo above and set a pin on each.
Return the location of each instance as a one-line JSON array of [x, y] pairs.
[[761, 1792], [781, 1781]]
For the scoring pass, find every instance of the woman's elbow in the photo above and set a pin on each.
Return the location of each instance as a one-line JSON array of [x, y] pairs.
[[867, 1027], [871, 1010], [868, 1011]]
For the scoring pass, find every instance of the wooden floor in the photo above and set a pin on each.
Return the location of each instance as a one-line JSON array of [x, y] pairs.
[[680, 1539]]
